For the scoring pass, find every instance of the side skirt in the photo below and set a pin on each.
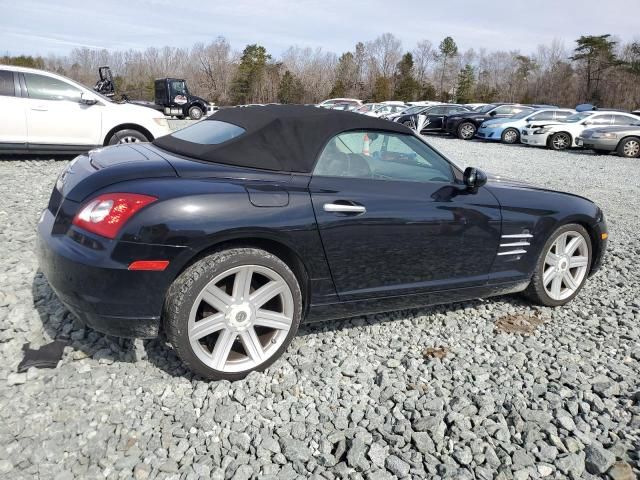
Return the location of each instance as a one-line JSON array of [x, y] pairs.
[[318, 313]]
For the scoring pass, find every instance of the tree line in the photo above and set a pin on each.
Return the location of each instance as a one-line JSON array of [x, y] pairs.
[[598, 69]]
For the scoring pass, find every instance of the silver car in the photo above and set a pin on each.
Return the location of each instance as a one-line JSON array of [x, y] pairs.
[[624, 140]]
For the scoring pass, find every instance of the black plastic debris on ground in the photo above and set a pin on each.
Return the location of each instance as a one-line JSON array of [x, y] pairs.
[[47, 356]]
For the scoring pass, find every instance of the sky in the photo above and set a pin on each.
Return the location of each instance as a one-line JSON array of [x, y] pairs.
[[42, 27]]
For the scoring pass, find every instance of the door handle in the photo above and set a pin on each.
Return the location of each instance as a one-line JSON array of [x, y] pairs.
[[40, 109], [342, 208]]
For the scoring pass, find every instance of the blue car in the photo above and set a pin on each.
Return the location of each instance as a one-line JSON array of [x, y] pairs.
[[507, 130]]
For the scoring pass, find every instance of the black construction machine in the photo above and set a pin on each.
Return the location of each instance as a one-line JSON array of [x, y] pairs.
[[171, 96]]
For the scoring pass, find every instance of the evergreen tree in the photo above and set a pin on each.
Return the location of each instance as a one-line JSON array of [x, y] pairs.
[[290, 89], [448, 49], [382, 89], [596, 55], [249, 74], [466, 84], [407, 86]]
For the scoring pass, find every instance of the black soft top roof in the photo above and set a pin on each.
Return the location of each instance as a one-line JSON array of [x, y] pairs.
[[278, 137]]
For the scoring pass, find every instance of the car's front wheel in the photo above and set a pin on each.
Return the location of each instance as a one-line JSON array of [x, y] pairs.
[[560, 141], [233, 312], [195, 113], [127, 136], [563, 266], [629, 148], [466, 131], [510, 136]]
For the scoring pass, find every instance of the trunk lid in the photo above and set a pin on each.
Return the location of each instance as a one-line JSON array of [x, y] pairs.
[[102, 167]]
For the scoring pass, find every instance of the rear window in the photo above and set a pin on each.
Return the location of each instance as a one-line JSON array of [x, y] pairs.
[[209, 132], [7, 87]]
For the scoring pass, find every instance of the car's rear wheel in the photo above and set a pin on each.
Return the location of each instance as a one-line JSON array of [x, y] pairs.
[[510, 136], [629, 148], [127, 136], [560, 141], [195, 113], [563, 267], [233, 312], [466, 131]]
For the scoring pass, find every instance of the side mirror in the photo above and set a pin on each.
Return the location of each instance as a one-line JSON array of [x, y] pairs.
[[86, 101], [474, 178], [493, 114]]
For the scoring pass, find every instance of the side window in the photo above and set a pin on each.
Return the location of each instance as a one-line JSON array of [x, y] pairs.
[[503, 110], [562, 114], [600, 120], [382, 156], [438, 111], [7, 87], [542, 116], [624, 120], [48, 88]]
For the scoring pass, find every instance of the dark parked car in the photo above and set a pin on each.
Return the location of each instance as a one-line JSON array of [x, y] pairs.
[[435, 116], [231, 232], [465, 125]]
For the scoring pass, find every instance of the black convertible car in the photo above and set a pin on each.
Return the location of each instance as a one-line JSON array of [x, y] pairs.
[[231, 232]]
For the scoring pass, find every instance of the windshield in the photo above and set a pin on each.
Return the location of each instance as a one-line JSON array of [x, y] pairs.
[[487, 108], [576, 117]]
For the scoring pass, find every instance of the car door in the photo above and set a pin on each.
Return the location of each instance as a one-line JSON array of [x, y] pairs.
[[55, 115], [394, 219], [435, 117], [13, 118]]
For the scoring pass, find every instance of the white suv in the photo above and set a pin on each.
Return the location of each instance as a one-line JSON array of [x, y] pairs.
[[562, 134], [45, 112]]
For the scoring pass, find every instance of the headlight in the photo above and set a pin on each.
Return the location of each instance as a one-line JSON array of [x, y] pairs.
[[161, 121], [490, 126], [604, 135], [541, 131]]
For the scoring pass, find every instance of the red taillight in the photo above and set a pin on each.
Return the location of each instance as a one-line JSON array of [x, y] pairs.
[[106, 214]]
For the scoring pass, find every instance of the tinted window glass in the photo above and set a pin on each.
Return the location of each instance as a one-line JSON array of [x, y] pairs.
[[438, 111], [562, 115], [382, 156], [600, 120], [209, 132], [6, 83], [542, 116], [624, 120], [48, 88]]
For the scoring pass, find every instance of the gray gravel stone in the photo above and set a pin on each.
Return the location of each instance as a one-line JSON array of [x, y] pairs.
[[597, 459], [397, 466]]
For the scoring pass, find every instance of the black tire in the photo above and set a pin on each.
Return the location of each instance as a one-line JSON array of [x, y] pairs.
[[128, 135], [625, 147], [195, 113], [189, 284], [466, 131], [560, 141], [536, 291], [601, 152], [509, 137]]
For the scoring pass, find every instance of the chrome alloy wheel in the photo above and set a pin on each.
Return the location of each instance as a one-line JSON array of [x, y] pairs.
[[510, 136], [467, 131], [565, 265], [241, 318], [128, 139], [561, 141], [631, 148]]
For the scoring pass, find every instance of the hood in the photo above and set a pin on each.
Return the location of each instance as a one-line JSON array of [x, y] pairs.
[[494, 179], [138, 108], [497, 121]]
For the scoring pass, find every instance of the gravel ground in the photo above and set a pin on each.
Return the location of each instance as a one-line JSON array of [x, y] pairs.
[[445, 392]]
